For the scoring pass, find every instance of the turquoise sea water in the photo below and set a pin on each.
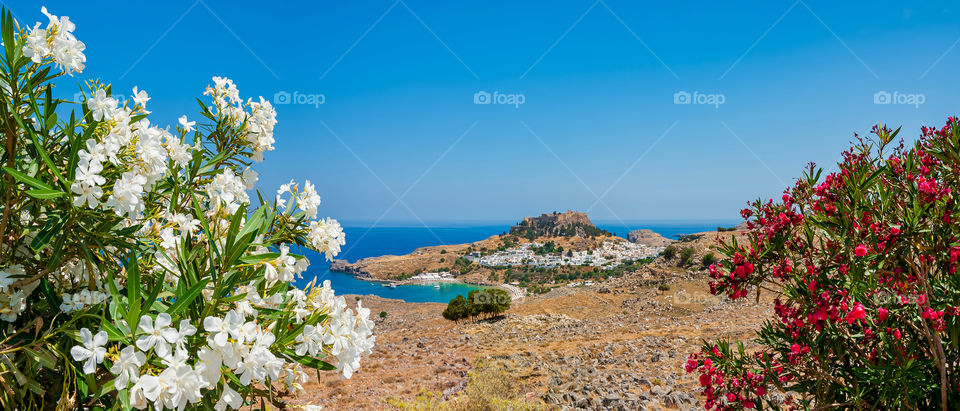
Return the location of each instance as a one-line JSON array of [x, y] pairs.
[[371, 242]]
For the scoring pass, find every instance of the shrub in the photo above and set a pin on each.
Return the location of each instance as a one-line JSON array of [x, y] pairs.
[[708, 259], [383, 314], [134, 271], [686, 256], [483, 302], [456, 309], [663, 287], [670, 252], [864, 264]]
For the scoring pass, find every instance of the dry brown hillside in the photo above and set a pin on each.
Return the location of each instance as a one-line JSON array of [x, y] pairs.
[[619, 344]]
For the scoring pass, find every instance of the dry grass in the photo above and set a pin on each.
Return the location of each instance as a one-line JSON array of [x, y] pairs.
[[488, 388]]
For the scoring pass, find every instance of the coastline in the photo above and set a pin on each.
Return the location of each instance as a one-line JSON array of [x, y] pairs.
[[516, 293]]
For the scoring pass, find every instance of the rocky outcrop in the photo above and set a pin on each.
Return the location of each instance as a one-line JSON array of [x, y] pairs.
[[344, 266], [569, 224], [649, 238]]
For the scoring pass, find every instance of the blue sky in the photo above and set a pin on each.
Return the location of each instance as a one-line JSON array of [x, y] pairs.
[[597, 79]]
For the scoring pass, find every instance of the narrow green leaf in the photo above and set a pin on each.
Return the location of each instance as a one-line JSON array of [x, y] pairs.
[[45, 194], [184, 300], [30, 181]]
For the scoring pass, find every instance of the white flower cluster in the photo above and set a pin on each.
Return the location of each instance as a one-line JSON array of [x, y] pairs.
[[138, 150], [81, 300], [56, 41], [228, 190], [284, 268], [257, 124], [236, 341], [348, 335], [13, 300], [325, 235]]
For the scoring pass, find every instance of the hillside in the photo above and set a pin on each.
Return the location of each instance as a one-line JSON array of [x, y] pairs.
[[618, 344]]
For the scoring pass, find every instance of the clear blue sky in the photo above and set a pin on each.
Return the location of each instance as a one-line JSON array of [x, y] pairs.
[[598, 90]]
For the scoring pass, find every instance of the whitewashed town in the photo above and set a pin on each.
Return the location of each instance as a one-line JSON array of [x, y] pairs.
[[609, 254]]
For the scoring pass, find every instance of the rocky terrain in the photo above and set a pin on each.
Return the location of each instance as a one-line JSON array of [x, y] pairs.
[[649, 238], [569, 224], [619, 344]]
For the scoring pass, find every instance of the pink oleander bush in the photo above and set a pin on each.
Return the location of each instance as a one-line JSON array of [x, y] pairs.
[[134, 272], [863, 264]]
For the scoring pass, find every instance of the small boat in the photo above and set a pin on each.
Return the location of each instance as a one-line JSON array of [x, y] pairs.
[[437, 286], [392, 285]]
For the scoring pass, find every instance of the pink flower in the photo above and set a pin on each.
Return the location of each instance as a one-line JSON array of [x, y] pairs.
[[860, 251], [856, 313], [882, 314]]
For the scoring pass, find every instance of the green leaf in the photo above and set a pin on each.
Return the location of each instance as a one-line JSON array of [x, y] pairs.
[[258, 258], [30, 181], [47, 233], [133, 289], [183, 301], [113, 333], [311, 362], [42, 357], [45, 194]]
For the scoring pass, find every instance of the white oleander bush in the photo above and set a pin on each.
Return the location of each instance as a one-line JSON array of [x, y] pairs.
[[134, 272]]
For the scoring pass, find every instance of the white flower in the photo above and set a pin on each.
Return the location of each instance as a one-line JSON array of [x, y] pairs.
[[179, 153], [226, 188], [36, 45], [88, 172], [208, 365], [311, 340], [140, 97], [101, 105], [125, 199], [56, 41], [158, 336], [91, 351], [151, 388], [326, 236], [308, 200], [229, 398], [221, 329], [250, 177], [145, 385], [127, 367], [187, 125], [183, 386], [186, 330], [86, 194]]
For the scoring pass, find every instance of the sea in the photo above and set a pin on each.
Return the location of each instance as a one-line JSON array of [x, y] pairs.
[[372, 241]]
